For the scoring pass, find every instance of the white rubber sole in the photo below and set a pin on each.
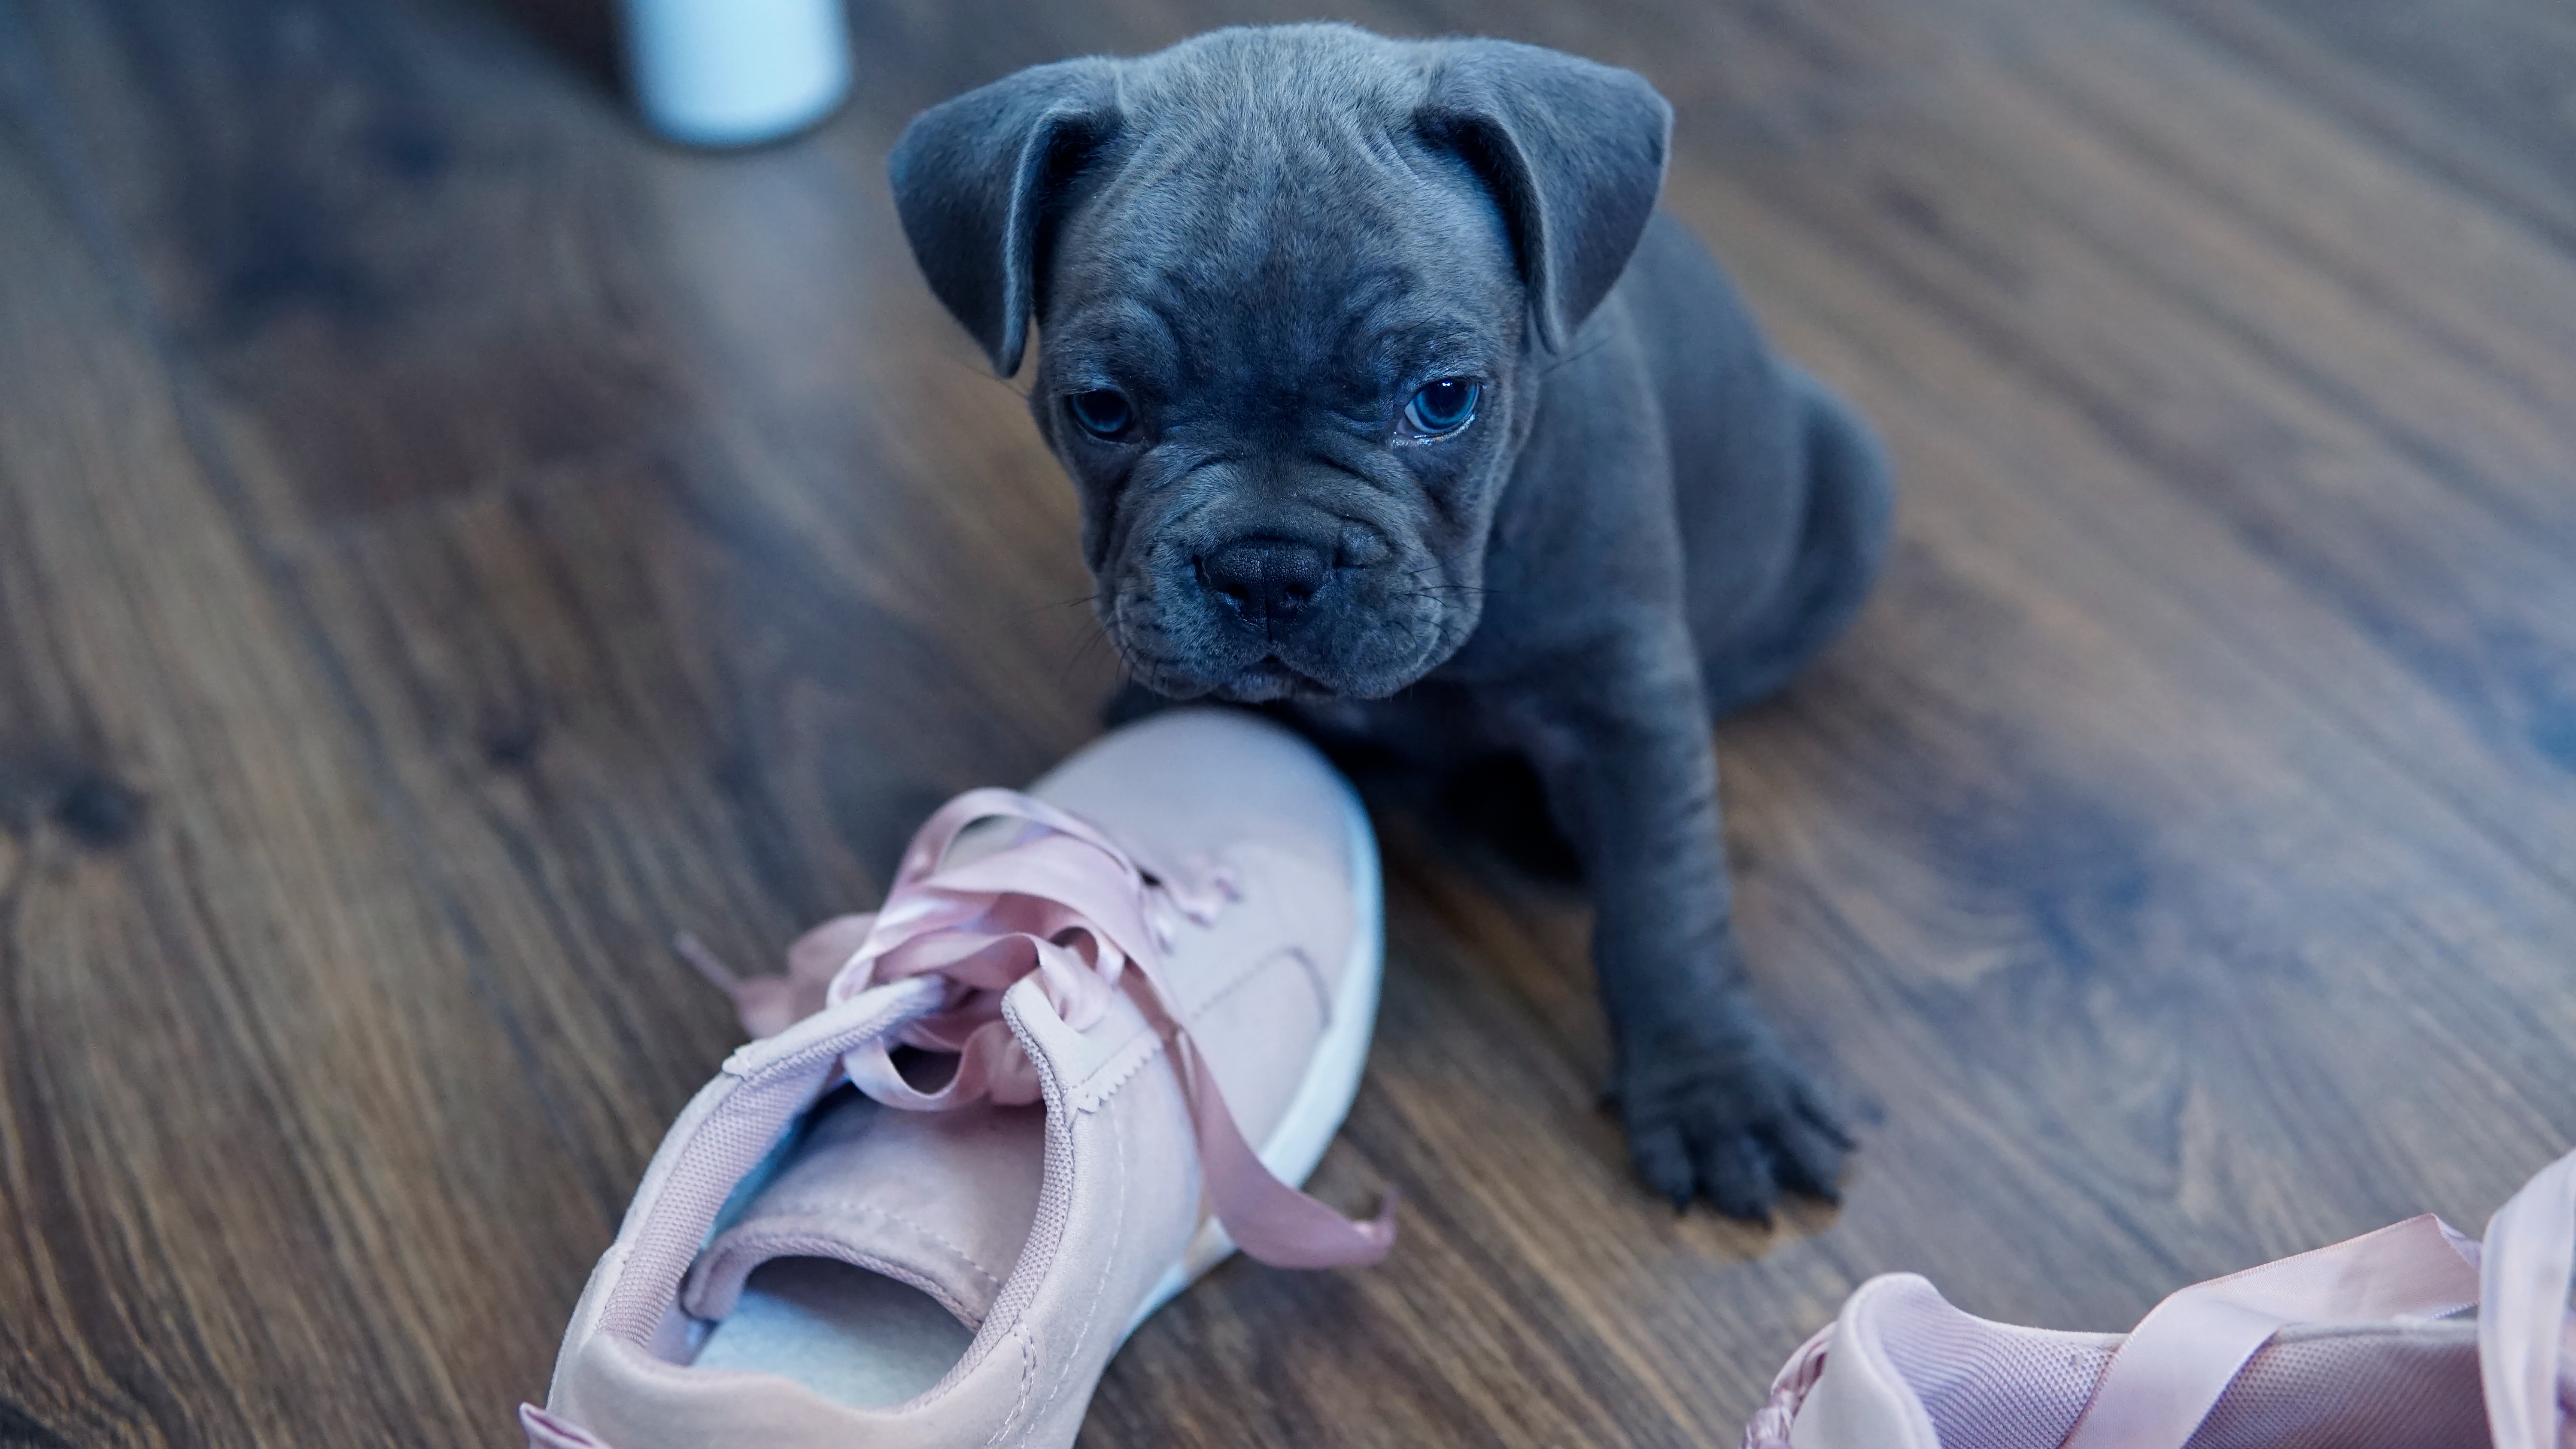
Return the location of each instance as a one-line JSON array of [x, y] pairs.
[[1332, 1079]]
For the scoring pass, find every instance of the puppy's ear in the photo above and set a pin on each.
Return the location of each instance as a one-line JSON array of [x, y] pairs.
[[1573, 152], [973, 181]]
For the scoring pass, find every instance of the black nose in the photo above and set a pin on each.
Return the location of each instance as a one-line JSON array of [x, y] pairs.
[[1266, 580]]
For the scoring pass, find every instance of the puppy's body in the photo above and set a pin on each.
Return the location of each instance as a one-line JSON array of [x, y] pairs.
[[1256, 254], [1762, 506]]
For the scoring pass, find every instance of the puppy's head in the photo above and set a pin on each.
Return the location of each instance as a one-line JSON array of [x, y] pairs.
[[1296, 288]]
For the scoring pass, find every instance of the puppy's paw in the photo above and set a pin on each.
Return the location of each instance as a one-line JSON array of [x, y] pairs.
[[1714, 1109]]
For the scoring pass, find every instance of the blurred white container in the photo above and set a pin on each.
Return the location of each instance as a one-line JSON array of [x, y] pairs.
[[736, 72]]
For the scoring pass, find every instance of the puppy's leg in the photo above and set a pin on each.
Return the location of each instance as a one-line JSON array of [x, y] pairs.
[[1712, 1105]]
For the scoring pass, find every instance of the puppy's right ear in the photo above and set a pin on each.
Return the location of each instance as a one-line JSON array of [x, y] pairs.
[[973, 181], [1573, 152]]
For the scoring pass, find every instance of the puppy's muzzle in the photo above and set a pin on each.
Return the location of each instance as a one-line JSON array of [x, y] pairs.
[[1266, 582]]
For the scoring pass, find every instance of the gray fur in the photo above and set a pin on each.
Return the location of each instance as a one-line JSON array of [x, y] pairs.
[[1268, 240]]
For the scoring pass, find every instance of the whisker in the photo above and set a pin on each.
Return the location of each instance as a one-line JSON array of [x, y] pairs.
[[1082, 652], [1008, 385], [1073, 603]]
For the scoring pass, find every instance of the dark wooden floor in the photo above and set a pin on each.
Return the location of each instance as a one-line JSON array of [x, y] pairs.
[[448, 542]]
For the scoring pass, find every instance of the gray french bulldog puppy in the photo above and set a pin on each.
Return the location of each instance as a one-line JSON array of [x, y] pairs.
[[1392, 398]]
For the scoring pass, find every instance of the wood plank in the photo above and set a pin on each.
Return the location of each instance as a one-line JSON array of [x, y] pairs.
[[259, 1129], [288, 177], [2475, 94], [2450, 564]]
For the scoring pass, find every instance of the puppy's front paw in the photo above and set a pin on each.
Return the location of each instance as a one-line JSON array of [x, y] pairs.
[[1714, 1109]]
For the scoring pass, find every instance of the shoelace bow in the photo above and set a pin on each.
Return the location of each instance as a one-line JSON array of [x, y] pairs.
[[1059, 900]]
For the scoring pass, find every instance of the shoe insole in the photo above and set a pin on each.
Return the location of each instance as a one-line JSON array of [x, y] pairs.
[[857, 1338]]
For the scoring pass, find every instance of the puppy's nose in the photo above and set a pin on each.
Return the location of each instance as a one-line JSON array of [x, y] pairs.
[[1266, 580]]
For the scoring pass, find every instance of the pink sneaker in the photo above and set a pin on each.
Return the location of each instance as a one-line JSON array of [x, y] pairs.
[[2412, 1337], [1102, 993]]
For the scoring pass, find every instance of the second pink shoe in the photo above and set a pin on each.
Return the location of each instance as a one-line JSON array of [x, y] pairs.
[[1080, 1054]]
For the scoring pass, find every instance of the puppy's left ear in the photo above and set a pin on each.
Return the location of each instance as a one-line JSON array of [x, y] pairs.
[[976, 179], [1573, 153]]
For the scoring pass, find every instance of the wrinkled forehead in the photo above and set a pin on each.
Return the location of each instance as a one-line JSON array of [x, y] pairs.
[[1316, 252]]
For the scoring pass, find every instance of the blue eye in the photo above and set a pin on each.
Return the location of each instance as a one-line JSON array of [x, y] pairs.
[[1102, 412], [1443, 407]]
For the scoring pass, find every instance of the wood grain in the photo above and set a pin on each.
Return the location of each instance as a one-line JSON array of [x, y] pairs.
[[449, 541]]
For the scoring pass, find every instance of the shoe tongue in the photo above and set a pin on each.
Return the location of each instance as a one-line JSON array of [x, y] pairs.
[[940, 1200]]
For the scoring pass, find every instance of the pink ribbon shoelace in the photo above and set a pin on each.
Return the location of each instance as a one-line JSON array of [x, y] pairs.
[[1064, 903]]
